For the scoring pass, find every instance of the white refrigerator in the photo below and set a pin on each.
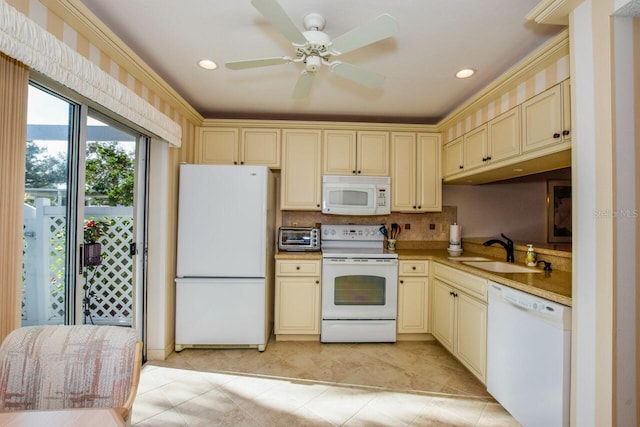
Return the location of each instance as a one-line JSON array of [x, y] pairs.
[[225, 278]]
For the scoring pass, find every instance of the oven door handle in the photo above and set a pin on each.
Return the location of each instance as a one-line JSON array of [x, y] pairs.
[[360, 261]]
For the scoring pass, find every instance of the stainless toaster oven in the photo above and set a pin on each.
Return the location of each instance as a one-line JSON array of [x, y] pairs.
[[299, 239]]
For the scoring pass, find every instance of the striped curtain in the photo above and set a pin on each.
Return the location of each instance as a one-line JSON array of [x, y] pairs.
[[14, 81]]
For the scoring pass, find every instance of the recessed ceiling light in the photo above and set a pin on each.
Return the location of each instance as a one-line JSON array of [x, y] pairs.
[[465, 72], [207, 64]]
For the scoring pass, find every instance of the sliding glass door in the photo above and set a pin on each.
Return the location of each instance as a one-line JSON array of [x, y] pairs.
[[83, 233]]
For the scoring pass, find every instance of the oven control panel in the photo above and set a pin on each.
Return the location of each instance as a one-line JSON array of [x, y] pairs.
[[352, 232]]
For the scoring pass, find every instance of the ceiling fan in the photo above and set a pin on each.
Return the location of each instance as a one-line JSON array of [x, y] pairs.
[[315, 48]]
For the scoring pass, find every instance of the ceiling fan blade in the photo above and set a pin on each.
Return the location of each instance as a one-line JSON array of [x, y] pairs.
[[382, 27], [366, 78], [303, 86], [272, 10], [253, 63]]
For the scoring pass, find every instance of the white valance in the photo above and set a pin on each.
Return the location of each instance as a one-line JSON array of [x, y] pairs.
[[24, 40]]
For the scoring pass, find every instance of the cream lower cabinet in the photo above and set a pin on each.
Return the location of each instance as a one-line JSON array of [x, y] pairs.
[[416, 172], [460, 316], [413, 299], [301, 180], [297, 300]]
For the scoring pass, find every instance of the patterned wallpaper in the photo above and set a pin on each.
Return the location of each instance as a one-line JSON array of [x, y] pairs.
[[552, 71]]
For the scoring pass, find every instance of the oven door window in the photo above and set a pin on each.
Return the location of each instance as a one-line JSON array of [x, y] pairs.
[[359, 290]]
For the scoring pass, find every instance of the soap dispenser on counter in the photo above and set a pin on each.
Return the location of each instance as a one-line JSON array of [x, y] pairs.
[[530, 257]]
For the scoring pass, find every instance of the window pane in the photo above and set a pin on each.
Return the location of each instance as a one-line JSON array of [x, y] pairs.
[[45, 200]]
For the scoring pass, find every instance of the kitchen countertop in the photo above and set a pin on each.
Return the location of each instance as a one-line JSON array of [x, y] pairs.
[[554, 285]]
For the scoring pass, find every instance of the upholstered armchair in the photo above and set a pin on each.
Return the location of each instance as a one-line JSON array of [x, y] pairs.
[[59, 367]]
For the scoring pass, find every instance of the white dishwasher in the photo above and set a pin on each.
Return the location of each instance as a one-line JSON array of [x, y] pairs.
[[528, 356]]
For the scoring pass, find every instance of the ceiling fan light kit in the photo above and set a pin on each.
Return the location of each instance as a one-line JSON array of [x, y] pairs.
[[315, 48]]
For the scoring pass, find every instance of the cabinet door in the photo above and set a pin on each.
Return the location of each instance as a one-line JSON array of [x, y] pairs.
[[218, 146], [301, 179], [453, 160], [542, 120], [412, 304], [471, 334], [428, 173], [403, 171], [443, 312], [339, 152], [260, 147], [373, 153], [504, 135], [297, 305], [475, 148]]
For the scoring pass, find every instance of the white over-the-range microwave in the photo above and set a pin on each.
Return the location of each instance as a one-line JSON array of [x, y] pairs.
[[356, 195]]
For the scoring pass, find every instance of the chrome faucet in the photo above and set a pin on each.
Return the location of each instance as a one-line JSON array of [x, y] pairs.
[[508, 246]]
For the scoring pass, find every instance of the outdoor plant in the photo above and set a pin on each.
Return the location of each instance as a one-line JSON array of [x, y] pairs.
[[93, 228]]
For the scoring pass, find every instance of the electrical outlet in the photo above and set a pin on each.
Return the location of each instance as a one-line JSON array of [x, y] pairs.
[[432, 226], [407, 226], [443, 228]]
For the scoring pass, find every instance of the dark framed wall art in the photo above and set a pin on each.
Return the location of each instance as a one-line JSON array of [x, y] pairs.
[[559, 211]]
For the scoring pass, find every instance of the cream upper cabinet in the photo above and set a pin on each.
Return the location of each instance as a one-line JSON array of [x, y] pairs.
[[504, 136], [297, 298], [416, 176], [460, 316], [301, 181], [260, 147], [546, 118], [218, 146], [475, 147], [413, 297], [453, 157], [348, 152], [234, 146]]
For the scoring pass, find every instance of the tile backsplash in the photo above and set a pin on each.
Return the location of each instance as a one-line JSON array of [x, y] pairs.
[[432, 226]]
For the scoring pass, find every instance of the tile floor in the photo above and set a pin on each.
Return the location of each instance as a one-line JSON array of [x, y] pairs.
[[313, 384]]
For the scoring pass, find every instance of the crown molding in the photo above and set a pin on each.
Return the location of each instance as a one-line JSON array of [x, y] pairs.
[[79, 17], [554, 12], [507, 80]]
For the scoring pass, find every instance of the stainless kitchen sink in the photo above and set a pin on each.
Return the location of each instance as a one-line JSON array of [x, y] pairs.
[[501, 267], [468, 258]]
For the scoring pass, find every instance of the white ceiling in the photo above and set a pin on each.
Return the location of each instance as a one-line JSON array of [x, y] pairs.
[[436, 38]]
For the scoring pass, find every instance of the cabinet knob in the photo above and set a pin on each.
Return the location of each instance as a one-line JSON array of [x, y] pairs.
[[413, 268], [401, 281], [317, 206], [488, 158], [242, 163], [419, 207], [484, 159], [235, 163], [566, 132], [353, 172], [359, 172], [451, 293], [297, 267], [556, 135], [414, 207], [461, 167], [317, 282]]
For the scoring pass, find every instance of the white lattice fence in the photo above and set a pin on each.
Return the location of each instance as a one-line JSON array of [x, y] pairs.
[[111, 283]]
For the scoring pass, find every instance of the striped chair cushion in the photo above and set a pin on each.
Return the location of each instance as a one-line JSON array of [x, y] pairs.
[[56, 367]]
